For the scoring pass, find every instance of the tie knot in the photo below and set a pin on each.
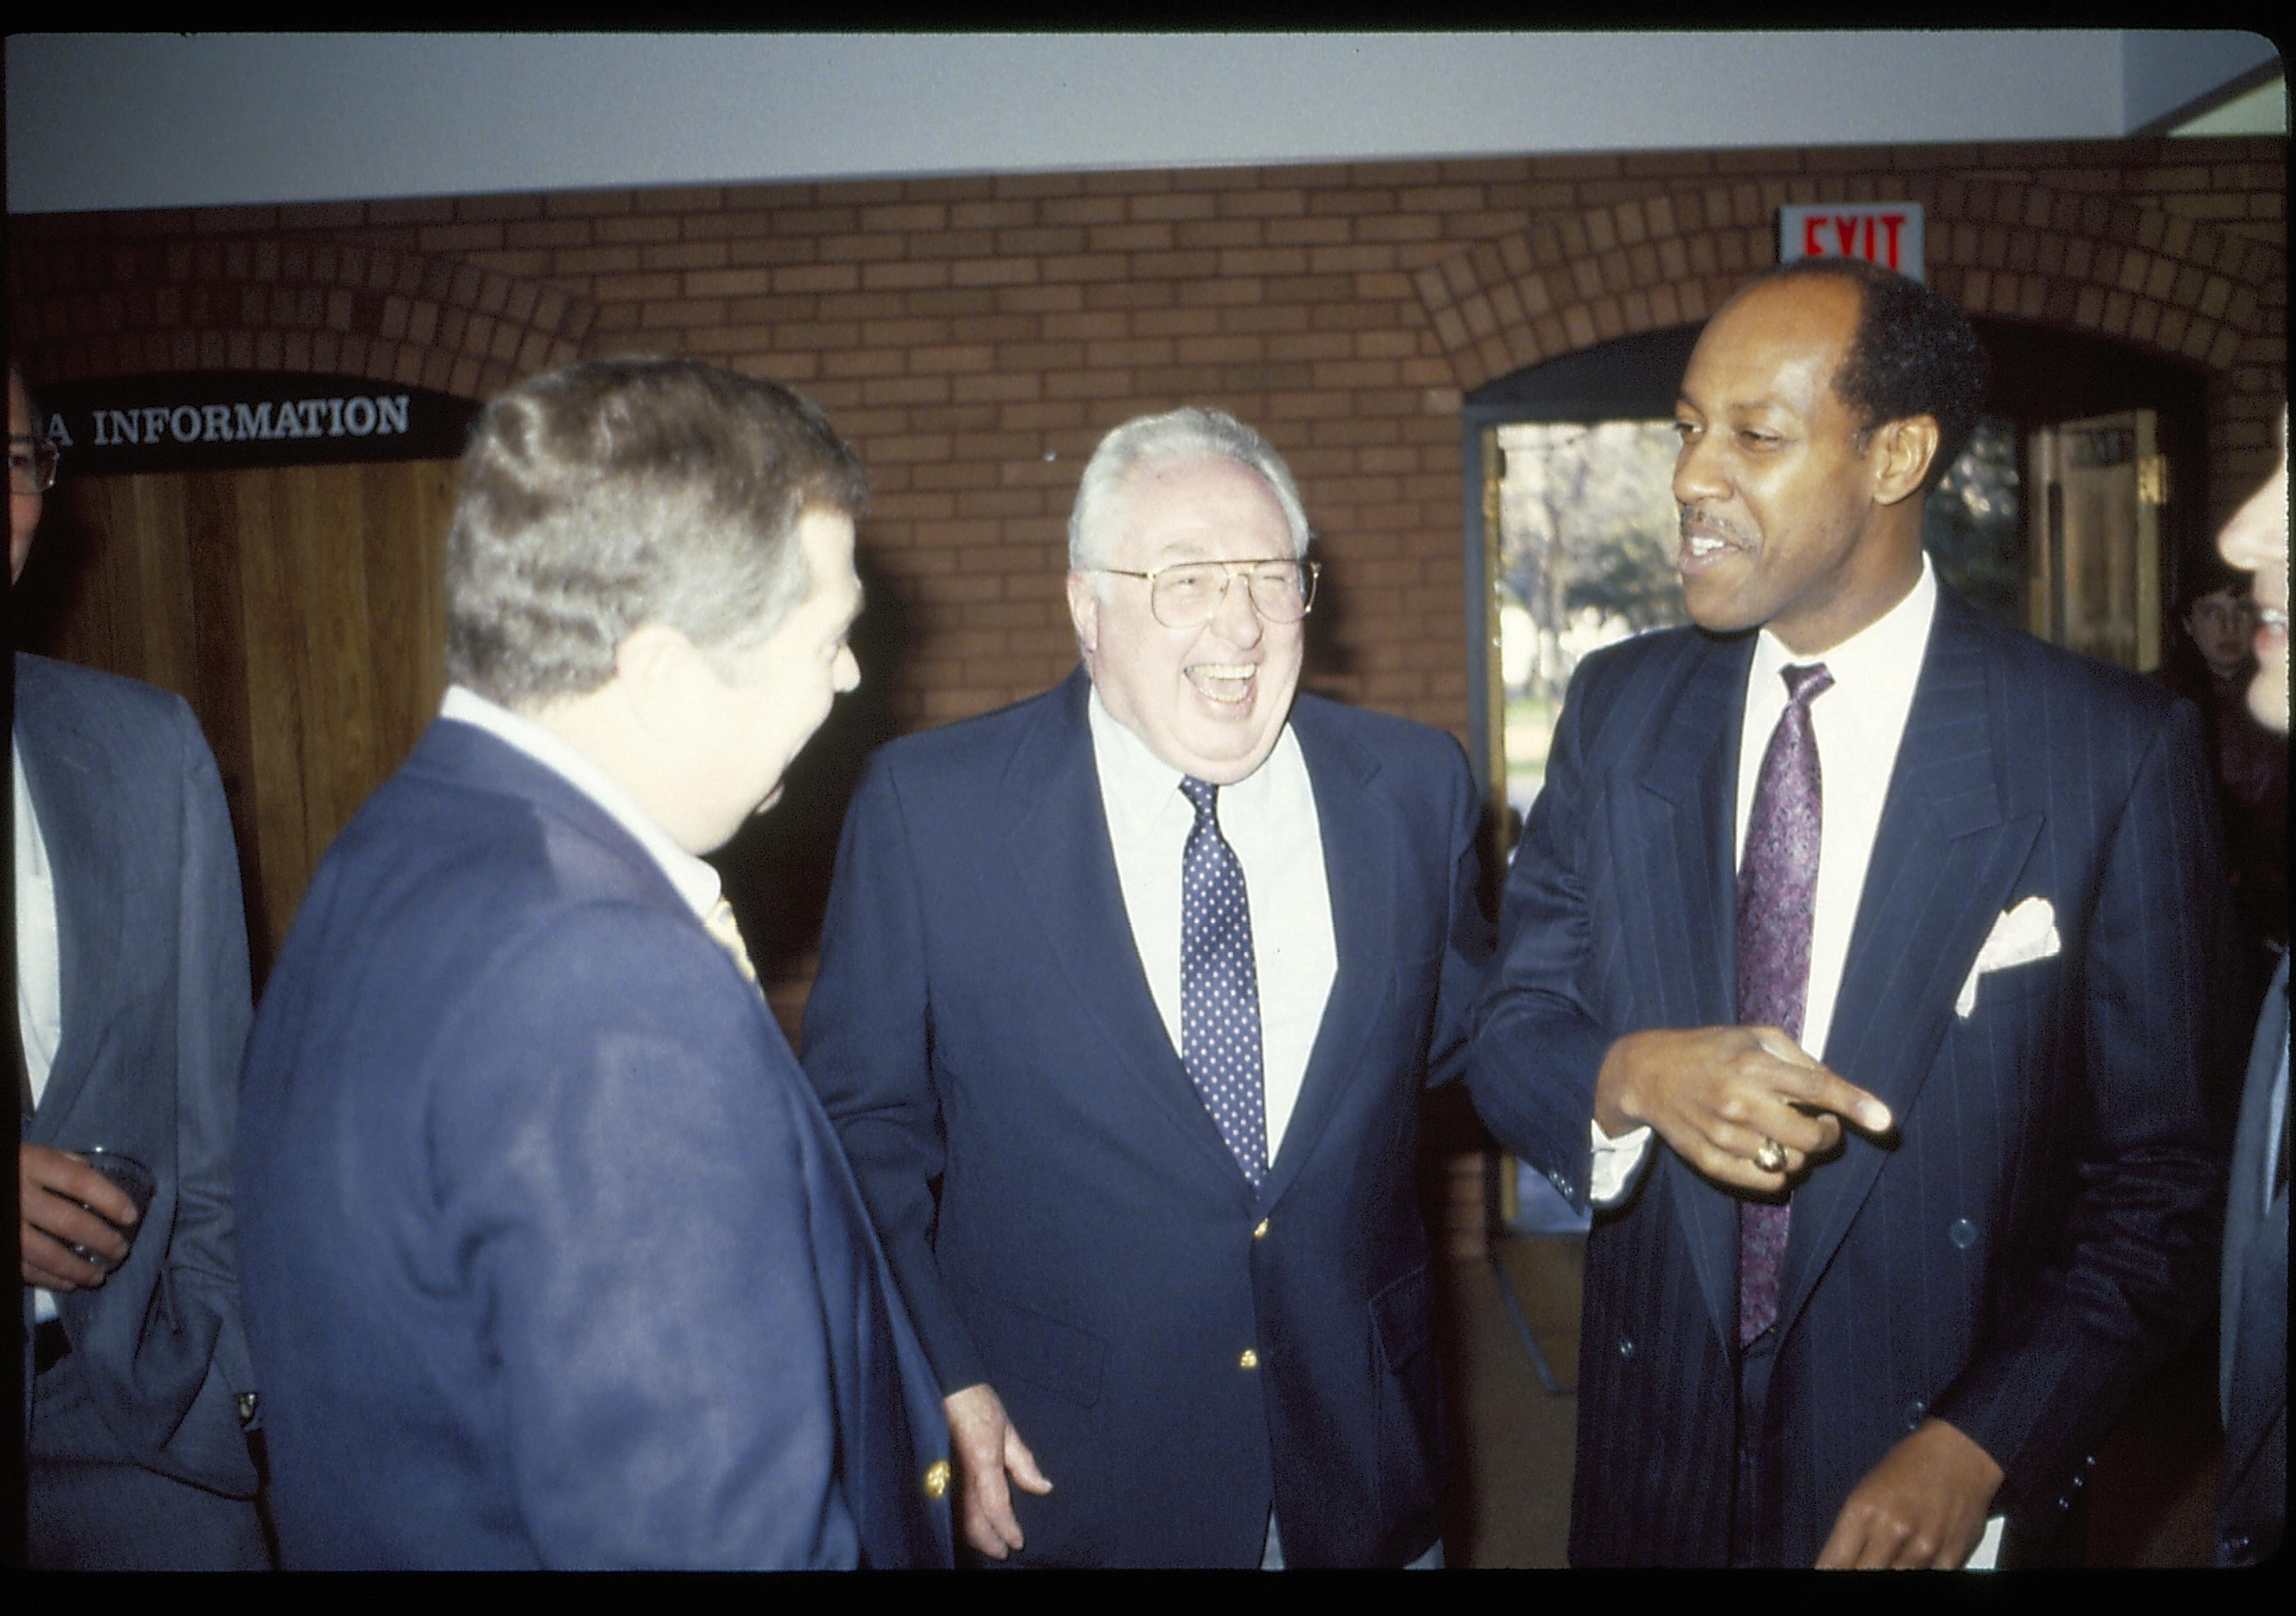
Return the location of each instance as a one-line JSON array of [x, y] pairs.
[[1805, 683], [1205, 797], [726, 933]]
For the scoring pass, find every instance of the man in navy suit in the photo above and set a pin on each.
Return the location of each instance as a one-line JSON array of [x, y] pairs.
[[2253, 1515], [1902, 932], [132, 1004], [1127, 996], [550, 1254]]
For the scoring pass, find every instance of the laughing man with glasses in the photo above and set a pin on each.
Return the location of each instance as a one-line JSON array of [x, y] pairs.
[[1127, 994]]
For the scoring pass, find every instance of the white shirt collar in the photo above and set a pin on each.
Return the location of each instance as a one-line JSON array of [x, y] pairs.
[[695, 880], [31, 846], [1270, 823], [1881, 661], [1146, 787], [1143, 786]]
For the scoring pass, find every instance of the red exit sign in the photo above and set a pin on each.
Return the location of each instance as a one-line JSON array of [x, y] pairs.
[[1888, 233]]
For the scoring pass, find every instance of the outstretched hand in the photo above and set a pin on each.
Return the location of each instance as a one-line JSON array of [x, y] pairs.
[[1717, 1094]]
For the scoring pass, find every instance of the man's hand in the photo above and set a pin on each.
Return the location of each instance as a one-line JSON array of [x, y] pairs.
[[1717, 1094], [986, 1449], [50, 1188], [1922, 1505]]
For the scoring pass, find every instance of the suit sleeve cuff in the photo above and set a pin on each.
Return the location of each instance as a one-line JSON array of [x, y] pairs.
[[1616, 1163]]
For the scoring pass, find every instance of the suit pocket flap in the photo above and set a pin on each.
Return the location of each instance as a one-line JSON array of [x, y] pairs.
[[1038, 1349], [1403, 1317]]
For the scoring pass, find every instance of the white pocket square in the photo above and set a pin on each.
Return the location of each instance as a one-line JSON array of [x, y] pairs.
[[2021, 936]]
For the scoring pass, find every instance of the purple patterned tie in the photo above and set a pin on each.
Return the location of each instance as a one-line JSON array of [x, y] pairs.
[[1777, 894], [1219, 985]]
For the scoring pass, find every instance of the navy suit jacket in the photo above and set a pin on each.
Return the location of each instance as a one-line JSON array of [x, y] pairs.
[[2253, 1511], [549, 1254], [2034, 1235], [152, 947], [1059, 1207]]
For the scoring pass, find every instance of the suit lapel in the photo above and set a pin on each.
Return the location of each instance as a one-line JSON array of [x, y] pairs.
[[1059, 855], [1686, 790], [2248, 1196], [1360, 836], [1945, 856], [76, 813]]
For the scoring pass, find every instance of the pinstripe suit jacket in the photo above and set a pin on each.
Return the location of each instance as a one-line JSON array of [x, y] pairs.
[[2033, 1236]]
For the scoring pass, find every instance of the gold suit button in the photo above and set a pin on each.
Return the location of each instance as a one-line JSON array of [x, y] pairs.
[[1261, 1232], [937, 1479], [1249, 1360]]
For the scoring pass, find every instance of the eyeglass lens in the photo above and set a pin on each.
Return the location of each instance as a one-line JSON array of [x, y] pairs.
[[31, 465], [1186, 596]]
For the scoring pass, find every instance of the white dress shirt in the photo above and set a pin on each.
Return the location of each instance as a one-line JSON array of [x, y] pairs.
[[695, 880], [1269, 820], [39, 965], [1858, 720]]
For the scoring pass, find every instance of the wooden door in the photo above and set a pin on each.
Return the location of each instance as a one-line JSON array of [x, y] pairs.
[[298, 610], [2094, 557]]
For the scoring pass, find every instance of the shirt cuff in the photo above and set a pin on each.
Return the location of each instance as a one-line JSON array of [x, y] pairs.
[[1611, 1172]]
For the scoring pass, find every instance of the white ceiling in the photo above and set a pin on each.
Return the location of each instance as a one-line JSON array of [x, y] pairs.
[[122, 121]]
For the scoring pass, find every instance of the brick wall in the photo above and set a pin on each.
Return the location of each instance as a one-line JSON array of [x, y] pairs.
[[976, 335]]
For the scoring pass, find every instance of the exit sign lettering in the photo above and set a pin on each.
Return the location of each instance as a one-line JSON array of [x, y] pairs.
[[1888, 233]]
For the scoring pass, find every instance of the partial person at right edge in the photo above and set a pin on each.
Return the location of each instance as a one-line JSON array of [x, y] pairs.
[[2252, 1516]]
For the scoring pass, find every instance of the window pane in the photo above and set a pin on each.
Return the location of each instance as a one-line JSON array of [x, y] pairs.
[[1587, 543], [1971, 528]]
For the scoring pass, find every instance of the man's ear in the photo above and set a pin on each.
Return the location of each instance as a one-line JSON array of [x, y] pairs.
[[1901, 453], [654, 670], [1083, 612]]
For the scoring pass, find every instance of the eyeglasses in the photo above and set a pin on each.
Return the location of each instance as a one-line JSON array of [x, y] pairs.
[[1188, 595], [31, 464]]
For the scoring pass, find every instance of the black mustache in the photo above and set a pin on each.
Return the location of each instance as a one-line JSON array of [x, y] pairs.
[[1708, 528]]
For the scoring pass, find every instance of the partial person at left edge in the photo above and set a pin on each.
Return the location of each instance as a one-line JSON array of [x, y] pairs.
[[132, 1006], [550, 1255]]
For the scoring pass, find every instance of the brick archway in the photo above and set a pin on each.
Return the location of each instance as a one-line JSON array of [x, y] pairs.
[[84, 310], [2176, 285]]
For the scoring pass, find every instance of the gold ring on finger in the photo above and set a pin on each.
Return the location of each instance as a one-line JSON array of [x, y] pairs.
[[1772, 1156]]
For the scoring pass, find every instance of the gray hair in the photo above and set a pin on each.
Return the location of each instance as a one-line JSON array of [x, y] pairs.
[[1190, 433], [616, 493]]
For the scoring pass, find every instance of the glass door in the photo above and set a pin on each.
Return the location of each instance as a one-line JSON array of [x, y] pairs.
[[2095, 556]]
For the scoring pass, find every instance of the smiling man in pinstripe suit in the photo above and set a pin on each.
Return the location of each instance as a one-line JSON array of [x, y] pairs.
[[1899, 931]]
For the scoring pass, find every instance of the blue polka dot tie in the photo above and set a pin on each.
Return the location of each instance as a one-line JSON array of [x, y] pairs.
[[1220, 986], [1778, 903]]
